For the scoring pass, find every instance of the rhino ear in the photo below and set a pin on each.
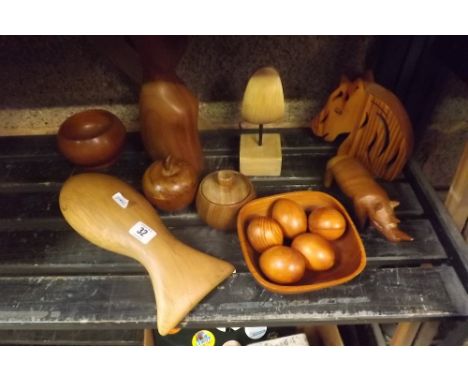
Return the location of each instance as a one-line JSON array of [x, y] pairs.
[[394, 203]]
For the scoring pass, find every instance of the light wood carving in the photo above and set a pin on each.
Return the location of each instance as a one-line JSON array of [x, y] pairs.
[[380, 133], [181, 276], [370, 200], [263, 102]]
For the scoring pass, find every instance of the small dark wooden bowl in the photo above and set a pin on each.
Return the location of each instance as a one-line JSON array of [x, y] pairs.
[[91, 138], [349, 250]]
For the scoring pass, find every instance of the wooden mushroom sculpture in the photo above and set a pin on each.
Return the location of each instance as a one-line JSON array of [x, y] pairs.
[[263, 103]]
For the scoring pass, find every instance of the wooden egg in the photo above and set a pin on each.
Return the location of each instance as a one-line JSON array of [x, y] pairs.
[[318, 252], [263, 233], [282, 264], [290, 216], [327, 222]]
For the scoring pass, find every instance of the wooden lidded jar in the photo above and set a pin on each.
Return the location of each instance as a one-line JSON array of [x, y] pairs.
[[170, 185], [220, 196]]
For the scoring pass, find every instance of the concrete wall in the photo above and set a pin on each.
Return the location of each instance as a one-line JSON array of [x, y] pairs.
[[46, 79]]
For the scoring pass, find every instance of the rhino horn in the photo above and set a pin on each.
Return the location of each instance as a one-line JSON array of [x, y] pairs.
[[394, 234], [394, 203]]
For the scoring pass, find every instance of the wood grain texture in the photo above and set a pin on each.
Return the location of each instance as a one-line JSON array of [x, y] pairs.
[[148, 338], [350, 252], [171, 184], [370, 201], [405, 333], [221, 195], [92, 138], [263, 100], [426, 334], [181, 276], [264, 160], [380, 132], [168, 117], [330, 335]]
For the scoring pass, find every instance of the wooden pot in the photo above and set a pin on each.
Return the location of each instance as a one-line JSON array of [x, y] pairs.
[[91, 138], [221, 195], [170, 185]]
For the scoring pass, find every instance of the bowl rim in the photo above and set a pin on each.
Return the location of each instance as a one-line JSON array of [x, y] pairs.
[[70, 125], [296, 289]]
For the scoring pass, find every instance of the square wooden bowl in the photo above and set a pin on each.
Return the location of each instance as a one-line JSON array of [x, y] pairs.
[[349, 250]]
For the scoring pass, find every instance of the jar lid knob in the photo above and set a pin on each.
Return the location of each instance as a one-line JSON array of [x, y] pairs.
[[225, 178]]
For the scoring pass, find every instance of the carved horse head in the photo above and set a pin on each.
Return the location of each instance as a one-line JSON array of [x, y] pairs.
[[342, 110], [378, 127]]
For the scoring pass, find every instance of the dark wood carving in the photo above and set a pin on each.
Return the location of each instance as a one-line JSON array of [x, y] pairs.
[[168, 109]]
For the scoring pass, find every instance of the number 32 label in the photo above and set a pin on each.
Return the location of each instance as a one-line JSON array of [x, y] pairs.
[[142, 232]]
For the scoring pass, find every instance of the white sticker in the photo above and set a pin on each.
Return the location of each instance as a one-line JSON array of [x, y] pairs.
[[142, 232], [120, 200], [255, 332]]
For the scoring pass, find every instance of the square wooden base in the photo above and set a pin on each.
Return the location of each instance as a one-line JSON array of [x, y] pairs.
[[264, 160]]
